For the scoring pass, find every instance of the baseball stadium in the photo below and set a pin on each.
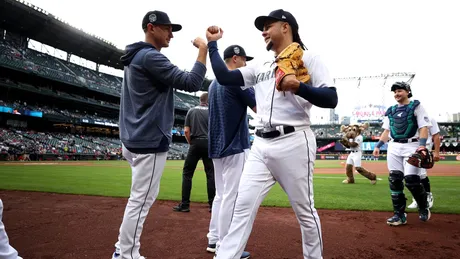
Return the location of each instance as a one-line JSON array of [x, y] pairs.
[[64, 182]]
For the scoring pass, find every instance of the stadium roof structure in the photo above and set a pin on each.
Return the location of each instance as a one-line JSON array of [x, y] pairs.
[[33, 22]]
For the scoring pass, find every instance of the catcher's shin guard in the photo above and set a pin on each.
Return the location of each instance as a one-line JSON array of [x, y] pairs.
[[365, 173], [397, 195], [426, 184], [418, 192]]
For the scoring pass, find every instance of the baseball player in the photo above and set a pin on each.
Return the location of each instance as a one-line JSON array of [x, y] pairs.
[[436, 140], [6, 250], [284, 148], [407, 123], [146, 119], [228, 144]]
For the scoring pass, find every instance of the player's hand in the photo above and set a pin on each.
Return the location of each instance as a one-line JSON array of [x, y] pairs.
[[214, 33], [199, 43], [376, 152], [436, 156], [290, 83]]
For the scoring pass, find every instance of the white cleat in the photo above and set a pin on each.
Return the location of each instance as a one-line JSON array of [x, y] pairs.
[[430, 200], [413, 205]]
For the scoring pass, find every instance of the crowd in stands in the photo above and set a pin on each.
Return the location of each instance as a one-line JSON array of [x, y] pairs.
[[13, 55], [75, 114], [48, 66], [16, 144]]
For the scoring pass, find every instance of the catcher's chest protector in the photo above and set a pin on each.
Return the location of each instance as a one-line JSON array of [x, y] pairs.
[[403, 123]]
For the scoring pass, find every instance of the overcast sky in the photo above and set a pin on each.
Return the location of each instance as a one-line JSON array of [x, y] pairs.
[[354, 38]]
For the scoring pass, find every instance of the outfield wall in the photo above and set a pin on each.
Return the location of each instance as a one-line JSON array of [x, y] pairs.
[[372, 158]]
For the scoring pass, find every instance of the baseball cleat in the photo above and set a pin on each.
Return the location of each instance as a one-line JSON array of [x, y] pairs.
[[430, 200], [396, 220], [245, 255], [413, 205], [116, 256], [424, 215], [211, 248], [181, 208]]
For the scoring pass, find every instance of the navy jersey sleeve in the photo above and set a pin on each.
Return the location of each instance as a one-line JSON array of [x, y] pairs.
[[159, 65], [248, 97]]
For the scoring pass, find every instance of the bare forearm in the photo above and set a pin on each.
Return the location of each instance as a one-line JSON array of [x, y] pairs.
[[187, 137], [385, 136], [202, 55], [437, 143], [424, 132]]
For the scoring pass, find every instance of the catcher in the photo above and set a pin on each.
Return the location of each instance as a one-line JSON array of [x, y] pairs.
[[353, 139], [407, 124]]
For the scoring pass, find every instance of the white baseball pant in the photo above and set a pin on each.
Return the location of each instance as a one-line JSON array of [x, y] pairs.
[[397, 156], [354, 158], [288, 159], [6, 250], [147, 170], [227, 174]]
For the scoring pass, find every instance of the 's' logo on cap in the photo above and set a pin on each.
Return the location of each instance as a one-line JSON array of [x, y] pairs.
[[236, 50], [152, 17]]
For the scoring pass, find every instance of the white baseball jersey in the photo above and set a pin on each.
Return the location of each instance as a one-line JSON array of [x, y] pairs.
[[434, 129], [275, 108], [423, 120], [359, 141]]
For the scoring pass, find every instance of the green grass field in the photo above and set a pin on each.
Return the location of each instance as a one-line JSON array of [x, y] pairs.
[[113, 178]]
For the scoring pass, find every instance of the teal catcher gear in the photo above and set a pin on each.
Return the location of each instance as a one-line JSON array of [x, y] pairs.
[[403, 122]]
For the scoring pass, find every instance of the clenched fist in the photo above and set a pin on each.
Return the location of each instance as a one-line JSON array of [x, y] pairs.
[[199, 43], [214, 33]]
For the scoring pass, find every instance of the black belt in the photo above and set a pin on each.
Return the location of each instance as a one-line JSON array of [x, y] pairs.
[[353, 151], [274, 133], [198, 138], [405, 140]]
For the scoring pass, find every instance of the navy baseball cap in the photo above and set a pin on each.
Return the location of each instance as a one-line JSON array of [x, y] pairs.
[[159, 18], [277, 15], [236, 50]]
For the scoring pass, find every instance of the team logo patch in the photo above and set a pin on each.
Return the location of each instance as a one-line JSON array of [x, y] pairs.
[[152, 17], [426, 119], [236, 50]]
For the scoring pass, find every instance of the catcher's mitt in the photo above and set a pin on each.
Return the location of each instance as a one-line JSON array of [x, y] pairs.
[[289, 62], [422, 158]]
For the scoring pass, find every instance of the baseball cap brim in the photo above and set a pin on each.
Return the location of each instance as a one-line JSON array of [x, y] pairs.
[[261, 20], [249, 58], [174, 27]]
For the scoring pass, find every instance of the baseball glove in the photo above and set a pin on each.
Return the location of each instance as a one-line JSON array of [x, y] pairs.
[[422, 158], [289, 62]]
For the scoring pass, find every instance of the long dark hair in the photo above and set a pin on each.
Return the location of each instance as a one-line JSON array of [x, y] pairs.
[[296, 38]]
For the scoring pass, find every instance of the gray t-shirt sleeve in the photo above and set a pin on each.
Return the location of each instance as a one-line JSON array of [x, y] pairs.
[[159, 66], [187, 118]]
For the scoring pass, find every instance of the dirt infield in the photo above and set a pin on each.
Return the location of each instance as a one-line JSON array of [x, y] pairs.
[[46, 226]]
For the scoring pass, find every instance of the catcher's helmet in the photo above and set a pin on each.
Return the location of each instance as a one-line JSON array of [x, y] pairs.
[[402, 85]]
